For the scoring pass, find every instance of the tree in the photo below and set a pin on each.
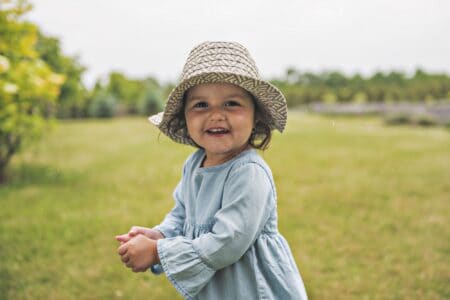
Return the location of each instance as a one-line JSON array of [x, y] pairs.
[[127, 91], [103, 105], [72, 99], [28, 87], [152, 100]]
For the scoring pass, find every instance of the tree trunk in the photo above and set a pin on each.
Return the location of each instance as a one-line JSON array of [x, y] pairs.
[[2, 176], [13, 146]]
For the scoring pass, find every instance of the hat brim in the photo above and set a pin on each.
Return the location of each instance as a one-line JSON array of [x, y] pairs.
[[266, 94]]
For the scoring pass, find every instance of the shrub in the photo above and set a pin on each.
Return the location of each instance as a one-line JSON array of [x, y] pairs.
[[151, 103], [397, 118], [424, 120], [103, 105], [410, 118]]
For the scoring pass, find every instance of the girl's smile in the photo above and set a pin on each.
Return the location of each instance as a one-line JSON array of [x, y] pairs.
[[220, 119]]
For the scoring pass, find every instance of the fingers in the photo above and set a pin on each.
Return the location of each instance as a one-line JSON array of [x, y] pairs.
[[129, 264], [122, 249], [135, 230], [125, 258], [123, 238], [126, 237], [135, 269]]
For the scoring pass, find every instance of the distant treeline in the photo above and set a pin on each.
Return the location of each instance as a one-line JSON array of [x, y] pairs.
[[331, 87], [121, 95]]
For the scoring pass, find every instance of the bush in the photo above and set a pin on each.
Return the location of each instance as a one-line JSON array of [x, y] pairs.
[[151, 103], [397, 118], [409, 118], [103, 105], [424, 120]]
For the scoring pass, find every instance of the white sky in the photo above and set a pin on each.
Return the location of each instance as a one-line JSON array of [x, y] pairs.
[[145, 37]]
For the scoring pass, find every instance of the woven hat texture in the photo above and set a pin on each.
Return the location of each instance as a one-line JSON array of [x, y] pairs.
[[222, 62]]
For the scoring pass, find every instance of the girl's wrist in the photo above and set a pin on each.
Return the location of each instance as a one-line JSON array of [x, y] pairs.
[[161, 235], [154, 250]]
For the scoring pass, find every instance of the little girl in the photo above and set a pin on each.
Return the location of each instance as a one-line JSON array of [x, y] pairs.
[[220, 241]]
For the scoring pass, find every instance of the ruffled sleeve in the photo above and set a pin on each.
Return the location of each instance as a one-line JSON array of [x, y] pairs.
[[183, 265], [190, 264]]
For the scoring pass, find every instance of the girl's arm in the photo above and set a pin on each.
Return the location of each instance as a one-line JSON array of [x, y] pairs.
[[247, 201], [173, 223]]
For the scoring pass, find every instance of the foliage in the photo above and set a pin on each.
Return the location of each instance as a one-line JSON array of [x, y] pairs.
[[28, 86], [73, 96], [134, 95], [408, 118], [102, 105], [151, 102], [331, 87], [131, 96], [127, 91]]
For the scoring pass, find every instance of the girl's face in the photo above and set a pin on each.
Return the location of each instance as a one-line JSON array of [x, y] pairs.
[[219, 118]]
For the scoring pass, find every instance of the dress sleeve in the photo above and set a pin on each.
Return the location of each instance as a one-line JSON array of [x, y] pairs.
[[173, 223], [247, 199]]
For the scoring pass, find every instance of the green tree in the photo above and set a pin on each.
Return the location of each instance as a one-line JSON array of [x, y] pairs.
[[128, 92], [72, 99], [28, 86], [103, 104], [152, 100]]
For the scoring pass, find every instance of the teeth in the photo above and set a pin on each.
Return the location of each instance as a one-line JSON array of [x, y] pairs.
[[217, 130]]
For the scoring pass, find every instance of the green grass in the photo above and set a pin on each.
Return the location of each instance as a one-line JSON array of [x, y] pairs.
[[365, 208]]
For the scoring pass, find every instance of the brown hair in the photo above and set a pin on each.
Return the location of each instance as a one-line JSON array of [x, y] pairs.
[[259, 138], [261, 133]]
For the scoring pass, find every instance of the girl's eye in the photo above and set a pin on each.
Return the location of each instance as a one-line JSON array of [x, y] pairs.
[[200, 105], [232, 103]]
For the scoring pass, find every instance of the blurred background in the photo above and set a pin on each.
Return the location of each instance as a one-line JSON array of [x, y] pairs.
[[363, 170]]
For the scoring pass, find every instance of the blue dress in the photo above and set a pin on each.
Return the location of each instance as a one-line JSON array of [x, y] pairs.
[[221, 238]]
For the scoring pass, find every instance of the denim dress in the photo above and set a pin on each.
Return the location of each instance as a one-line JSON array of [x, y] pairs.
[[221, 238]]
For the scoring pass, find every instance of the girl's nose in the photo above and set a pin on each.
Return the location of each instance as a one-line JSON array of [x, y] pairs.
[[217, 114]]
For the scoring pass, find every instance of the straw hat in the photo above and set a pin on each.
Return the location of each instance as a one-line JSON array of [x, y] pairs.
[[222, 62]]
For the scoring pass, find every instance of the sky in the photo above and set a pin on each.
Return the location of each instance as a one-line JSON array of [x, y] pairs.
[[153, 37]]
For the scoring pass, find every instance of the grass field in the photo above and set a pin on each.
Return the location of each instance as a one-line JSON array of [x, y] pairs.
[[365, 208]]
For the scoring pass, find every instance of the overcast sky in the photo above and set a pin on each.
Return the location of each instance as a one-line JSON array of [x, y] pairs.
[[144, 37]]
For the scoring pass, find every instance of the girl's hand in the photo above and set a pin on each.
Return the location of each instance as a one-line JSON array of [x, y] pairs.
[[135, 230], [139, 253]]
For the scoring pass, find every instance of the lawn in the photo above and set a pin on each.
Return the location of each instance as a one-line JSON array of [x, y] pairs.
[[365, 208]]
